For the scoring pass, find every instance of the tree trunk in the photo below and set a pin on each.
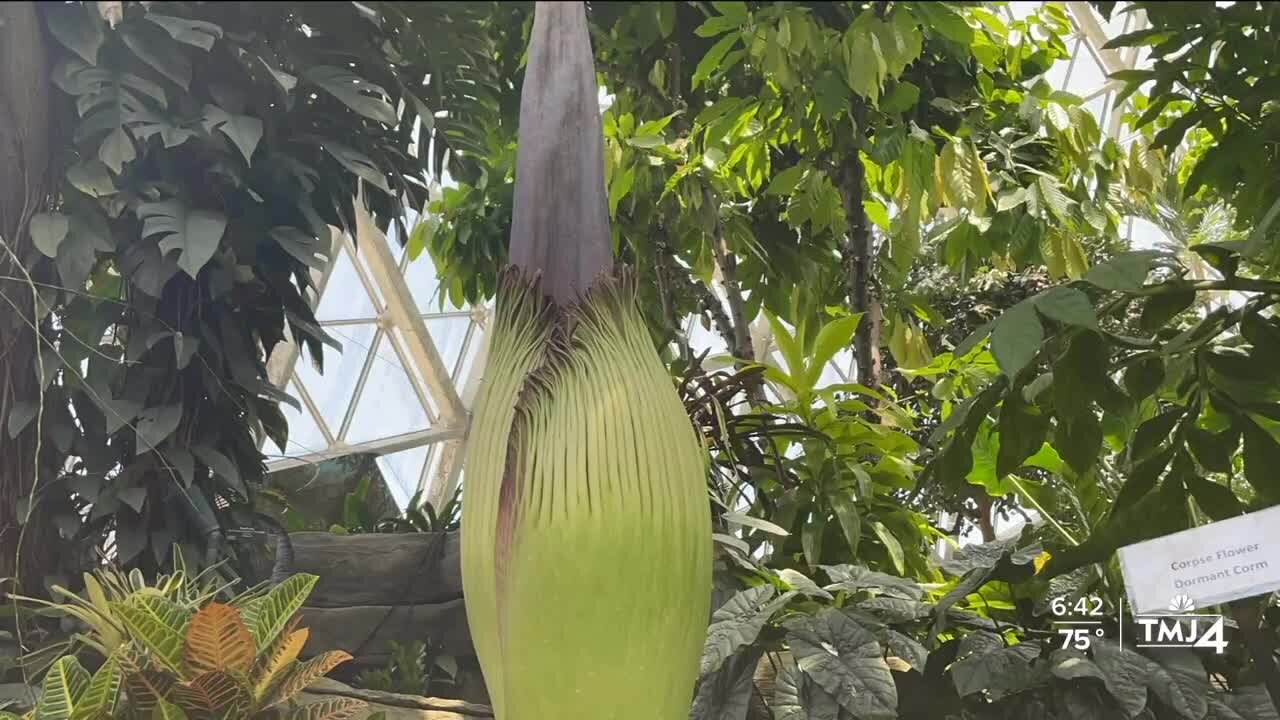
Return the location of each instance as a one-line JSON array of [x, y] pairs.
[[740, 340], [859, 268], [24, 187]]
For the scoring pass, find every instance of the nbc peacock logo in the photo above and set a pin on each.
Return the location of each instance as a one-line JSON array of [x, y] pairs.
[[1182, 626]]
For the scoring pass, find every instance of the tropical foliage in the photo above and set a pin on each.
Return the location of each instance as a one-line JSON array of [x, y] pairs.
[[236, 660]]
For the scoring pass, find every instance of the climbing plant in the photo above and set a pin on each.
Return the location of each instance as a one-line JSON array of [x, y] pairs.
[[205, 152]]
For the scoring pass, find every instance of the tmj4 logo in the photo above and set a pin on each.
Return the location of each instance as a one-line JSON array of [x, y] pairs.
[[1182, 628]]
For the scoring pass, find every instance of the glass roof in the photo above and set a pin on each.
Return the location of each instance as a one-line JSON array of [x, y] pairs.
[[402, 386]]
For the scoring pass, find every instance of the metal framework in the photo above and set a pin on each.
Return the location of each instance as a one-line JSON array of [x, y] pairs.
[[403, 384]]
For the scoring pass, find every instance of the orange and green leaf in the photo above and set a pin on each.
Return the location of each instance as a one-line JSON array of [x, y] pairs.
[[300, 676], [218, 639], [335, 709], [284, 654]]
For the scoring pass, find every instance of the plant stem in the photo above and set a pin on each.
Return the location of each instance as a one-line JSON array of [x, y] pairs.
[[1043, 513]]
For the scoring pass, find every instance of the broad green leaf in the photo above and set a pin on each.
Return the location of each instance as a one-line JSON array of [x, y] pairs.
[[155, 424], [99, 699], [846, 661], [1079, 440], [811, 533], [116, 150], [1144, 376], [158, 624], [1054, 199], [1068, 306], [855, 578], [946, 21], [91, 177], [78, 26], [802, 584], [710, 62], [268, 615], [194, 233], [1213, 450], [152, 47], [1159, 309], [243, 130], [1022, 427], [850, 520], [1261, 459], [999, 673], [891, 545], [355, 92], [864, 62], [301, 245], [832, 338], [1016, 337], [619, 188], [736, 518], [1125, 272], [787, 345], [738, 623], [358, 164], [47, 232], [797, 697], [64, 685], [199, 33]]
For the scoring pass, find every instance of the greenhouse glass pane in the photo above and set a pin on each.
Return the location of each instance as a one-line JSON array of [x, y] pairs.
[[388, 404], [448, 335], [332, 391], [305, 436], [345, 297], [401, 471]]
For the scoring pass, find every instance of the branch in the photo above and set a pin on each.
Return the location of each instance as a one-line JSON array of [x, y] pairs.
[[1237, 284]]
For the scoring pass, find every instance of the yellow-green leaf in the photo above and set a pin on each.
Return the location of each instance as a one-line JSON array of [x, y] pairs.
[[63, 686], [99, 698], [165, 710], [284, 654], [268, 615], [300, 676], [335, 709], [157, 623]]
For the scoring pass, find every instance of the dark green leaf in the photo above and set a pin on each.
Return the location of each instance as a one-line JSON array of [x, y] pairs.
[[1261, 460], [47, 232], [1144, 376], [78, 27], [999, 673], [846, 661], [855, 578], [1153, 432], [796, 697], [1068, 306], [1016, 337], [1143, 479], [243, 130], [710, 62], [1213, 451], [300, 245], [152, 47], [1160, 309], [1079, 440], [811, 537], [199, 33], [194, 233], [155, 424], [1125, 272], [1218, 501], [1022, 428], [354, 91], [738, 623], [850, 520]]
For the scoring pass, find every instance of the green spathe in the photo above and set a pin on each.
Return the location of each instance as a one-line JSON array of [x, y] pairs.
[[586, 536]]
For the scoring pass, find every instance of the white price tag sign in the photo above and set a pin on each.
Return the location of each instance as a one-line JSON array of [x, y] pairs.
[[1208, 565]]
